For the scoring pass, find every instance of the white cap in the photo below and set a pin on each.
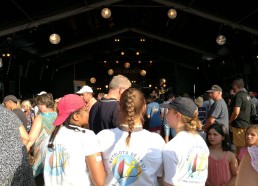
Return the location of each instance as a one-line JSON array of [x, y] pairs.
[[85, 89], [41, 93]]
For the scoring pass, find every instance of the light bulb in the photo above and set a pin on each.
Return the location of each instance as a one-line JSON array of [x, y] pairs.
[[127, 65], [106, 13], [54, 39], [221, 40], [110, 72], [93, 80], [143, 72], [172, 13]]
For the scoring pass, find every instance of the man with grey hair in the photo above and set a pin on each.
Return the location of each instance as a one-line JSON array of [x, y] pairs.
[[104, 113], [218, 112]]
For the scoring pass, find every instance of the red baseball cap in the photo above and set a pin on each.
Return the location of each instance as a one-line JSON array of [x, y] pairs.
[[67, 105]]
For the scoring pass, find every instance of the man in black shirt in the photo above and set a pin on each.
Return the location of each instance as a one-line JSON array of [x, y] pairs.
[[104, 113], [240, 116]]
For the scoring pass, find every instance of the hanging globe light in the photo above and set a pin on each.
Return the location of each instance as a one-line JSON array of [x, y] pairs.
[[127, 65], [93, 80], [106, 13], [143, 72], [110, 72], [162, 81], [172, 13], [54, 39], [221, 40]]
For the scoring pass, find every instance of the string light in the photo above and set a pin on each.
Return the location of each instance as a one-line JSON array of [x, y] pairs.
[[106, 13], [221, 40], [143, 72], [172, 13], [54, 38]]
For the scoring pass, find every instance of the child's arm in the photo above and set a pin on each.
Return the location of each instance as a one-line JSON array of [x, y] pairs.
[[233, 165], [246, 175]]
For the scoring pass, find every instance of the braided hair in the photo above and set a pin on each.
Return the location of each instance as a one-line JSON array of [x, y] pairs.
[[132, 104]]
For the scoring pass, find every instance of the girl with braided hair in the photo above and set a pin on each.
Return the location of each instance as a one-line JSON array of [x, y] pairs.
[[131, 154]]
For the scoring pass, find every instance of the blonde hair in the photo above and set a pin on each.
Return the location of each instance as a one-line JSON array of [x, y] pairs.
[[26, 103], [192, 124], [132, 104]]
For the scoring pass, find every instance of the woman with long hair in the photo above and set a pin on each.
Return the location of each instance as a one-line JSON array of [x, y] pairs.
[[132, 155]]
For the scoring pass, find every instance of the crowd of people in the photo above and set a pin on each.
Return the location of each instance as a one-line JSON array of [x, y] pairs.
[[128, 138]]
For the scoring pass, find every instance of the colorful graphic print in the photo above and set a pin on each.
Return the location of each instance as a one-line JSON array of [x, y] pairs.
[[126, 169], [56, 161], [197, 166]]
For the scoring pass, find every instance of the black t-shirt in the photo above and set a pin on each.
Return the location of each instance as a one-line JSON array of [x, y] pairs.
[[242, 100], [21, 116], [104, 115]]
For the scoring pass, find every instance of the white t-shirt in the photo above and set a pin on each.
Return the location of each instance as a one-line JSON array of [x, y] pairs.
[[186, 160], [138, 164], [66, 165]]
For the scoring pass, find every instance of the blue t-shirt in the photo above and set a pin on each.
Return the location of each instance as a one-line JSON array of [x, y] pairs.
[[153, 110]]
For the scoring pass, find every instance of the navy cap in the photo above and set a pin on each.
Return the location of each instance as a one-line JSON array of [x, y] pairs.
[[183, 105]]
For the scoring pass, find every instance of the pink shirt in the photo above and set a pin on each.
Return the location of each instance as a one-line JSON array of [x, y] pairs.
[[218, 171], [242, 153]]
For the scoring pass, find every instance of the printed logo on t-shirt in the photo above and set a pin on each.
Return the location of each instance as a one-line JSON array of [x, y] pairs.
[[155, 109], [127, 167], [56, 160], [197, 165]]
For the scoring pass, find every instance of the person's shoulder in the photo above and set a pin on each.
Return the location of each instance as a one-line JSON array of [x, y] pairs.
[[107, 132], [89, 132], [107, 137], [241, 93], [108, 100], [18, 111], [231, 156], [153, 137], [176, 141], [8, 115], [94, 107], [149, 104], [171, 146]]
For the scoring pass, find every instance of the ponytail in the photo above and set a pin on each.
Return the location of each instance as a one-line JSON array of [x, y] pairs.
[[192, 124]]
